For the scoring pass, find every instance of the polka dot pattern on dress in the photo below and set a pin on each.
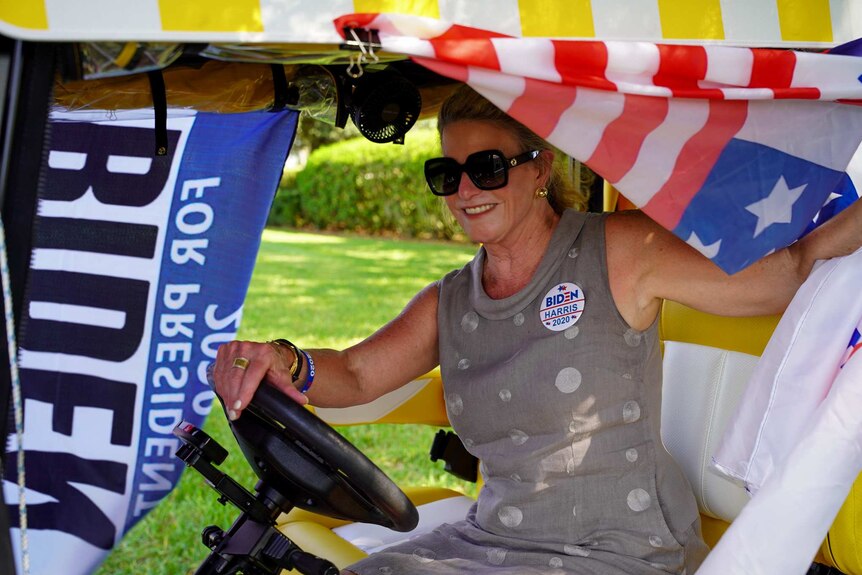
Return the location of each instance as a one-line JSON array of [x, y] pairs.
[[463, 364], [656, 541], [496, 556], [579, 420], [632, 337], [510, 516], [424, 555], [573, 253], [555, 562], [576, 551], [518, 437], [631, 411], [568, 380], [470, 321], [455, 404], [638, 500]]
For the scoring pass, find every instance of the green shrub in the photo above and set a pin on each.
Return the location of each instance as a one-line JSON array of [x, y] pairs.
[[285, 207], [360, 186]]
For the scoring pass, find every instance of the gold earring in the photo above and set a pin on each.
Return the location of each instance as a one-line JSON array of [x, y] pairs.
[[542, 192]]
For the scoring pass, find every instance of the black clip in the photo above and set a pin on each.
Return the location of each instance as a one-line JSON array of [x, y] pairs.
[[459, 462], [354, 43], [281, 91]]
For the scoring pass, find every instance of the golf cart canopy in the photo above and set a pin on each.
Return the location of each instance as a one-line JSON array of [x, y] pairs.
[[776, 23], [83, 181]]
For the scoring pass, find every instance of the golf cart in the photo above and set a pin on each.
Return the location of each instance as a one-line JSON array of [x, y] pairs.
[[146, 89]]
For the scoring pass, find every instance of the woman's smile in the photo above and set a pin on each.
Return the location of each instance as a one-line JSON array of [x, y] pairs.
[[476, 210]]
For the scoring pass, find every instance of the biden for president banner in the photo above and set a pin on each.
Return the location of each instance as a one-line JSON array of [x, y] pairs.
[[139, 268]]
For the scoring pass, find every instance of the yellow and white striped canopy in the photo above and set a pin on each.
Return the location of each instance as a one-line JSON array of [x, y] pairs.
[[791, 23]]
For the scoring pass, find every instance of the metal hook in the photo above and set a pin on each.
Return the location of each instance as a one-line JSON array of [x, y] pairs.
[[366, 52], [354, 69], [371, 46]]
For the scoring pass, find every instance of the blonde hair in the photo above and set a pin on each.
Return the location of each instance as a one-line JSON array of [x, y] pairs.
[[466, 104]]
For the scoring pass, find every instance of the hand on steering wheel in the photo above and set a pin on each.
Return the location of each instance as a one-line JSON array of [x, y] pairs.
[[241, 366], [313, 467]]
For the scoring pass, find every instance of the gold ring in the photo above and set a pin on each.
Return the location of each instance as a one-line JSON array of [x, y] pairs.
[[240, 362]]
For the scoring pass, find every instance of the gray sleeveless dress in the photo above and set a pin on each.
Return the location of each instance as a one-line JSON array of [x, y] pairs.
[[560, 400]]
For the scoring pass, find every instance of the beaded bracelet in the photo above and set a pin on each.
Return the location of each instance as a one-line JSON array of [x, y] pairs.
[[310, 377]]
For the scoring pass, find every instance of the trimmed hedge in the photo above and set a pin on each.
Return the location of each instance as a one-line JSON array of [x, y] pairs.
[[360, 186]]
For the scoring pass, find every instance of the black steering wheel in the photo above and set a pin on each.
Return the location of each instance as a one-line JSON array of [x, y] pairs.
[[313, 467]]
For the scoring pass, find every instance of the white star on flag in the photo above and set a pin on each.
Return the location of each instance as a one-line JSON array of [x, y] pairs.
[[777, 207], [710, 251]]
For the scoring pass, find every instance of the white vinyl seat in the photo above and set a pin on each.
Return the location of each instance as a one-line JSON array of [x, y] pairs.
[[701, 389], [707, 363], [373, 538]]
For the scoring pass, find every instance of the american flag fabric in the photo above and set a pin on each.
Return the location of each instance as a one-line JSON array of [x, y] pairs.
[[793, 438], [735, 150], [854, 345]]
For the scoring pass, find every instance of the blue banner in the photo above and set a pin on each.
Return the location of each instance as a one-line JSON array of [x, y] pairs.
[[139, 269]]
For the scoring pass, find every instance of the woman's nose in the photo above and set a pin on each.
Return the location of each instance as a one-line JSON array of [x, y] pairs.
[[466, 188]]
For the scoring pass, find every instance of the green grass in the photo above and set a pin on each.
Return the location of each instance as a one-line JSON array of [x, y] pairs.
[[319, 291]]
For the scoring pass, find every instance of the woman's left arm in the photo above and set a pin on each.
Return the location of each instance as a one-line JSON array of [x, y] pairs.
[[662, 266]]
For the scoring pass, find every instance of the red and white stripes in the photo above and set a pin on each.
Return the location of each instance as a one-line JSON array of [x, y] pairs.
[[651, 119], [645, 68]]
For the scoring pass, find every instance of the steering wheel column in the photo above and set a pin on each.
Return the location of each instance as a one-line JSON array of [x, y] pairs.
[[301, 462]]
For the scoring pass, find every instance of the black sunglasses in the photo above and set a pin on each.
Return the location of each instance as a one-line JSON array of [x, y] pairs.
[[488, 170]]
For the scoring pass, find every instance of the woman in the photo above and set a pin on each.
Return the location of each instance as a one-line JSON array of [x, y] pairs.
[[548, 349]]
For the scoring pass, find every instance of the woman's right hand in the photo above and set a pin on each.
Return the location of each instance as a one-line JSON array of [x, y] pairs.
[[267, 362]]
